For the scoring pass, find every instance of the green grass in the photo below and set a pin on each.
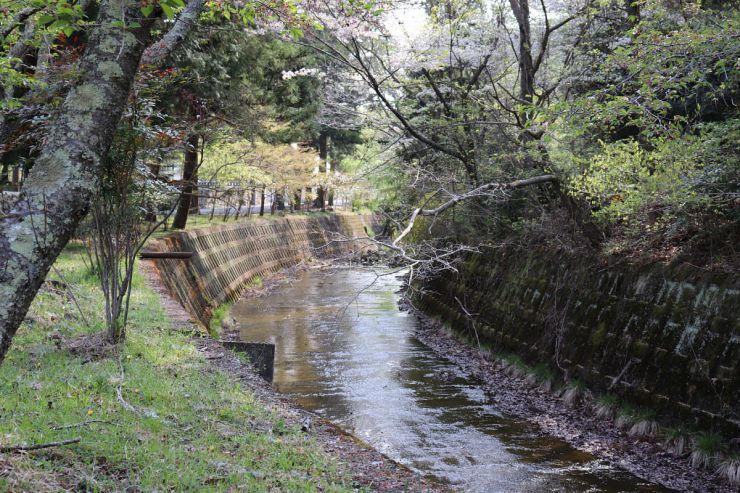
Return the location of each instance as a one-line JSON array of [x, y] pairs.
[[606, 406], [219, 315], [195, 429], [541, 376], [196, 221], [625, 417], [574, 392], [706, 449], [644, 425], [676, 439]]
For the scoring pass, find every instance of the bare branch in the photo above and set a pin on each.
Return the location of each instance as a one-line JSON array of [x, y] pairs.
[[158, 51], [38, 446], [476, 192], [370, 78]]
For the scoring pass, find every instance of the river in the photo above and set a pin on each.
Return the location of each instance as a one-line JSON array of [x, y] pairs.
[[345, 351]]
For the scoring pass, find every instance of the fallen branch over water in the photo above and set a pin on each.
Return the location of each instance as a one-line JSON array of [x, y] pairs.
[[483, 190]]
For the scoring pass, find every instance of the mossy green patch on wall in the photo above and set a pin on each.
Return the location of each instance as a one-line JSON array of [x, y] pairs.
[[667, 334]]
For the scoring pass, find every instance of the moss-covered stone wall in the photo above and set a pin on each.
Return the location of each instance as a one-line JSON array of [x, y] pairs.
[[664, 336], [226, 259]]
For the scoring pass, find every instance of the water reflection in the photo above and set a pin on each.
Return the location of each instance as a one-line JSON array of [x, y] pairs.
[[344, 350]]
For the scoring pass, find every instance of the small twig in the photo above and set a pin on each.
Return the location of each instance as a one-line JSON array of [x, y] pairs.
[[71, 295], [472, 321], [119, 393], [119, 390], [77, 425], [18, 448]]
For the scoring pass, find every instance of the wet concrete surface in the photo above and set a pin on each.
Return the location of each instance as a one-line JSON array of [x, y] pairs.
[[345, 351]]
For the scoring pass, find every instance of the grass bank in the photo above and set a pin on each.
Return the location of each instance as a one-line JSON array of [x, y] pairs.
[[154, 415], [196, 221]]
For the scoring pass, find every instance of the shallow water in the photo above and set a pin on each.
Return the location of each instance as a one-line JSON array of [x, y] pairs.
[[345, 351]]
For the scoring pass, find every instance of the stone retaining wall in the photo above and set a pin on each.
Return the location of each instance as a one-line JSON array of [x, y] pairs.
[[226, 259], [668, 334]]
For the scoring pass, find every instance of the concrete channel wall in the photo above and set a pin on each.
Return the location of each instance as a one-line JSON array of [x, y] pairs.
[[228, 259], [667, 334]]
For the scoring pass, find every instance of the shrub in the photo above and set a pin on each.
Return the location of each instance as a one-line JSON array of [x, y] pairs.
[[625, 417], [676, 440], [574, 392], [706, 447], [606, 406], [644, 425], [513, 365], [729, 468], [541, 376]]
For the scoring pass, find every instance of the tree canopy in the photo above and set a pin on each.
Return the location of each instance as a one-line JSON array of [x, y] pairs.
[[608, 125]]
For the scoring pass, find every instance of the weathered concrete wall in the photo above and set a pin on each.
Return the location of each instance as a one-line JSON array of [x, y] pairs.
[[227, 258], [670, 334]]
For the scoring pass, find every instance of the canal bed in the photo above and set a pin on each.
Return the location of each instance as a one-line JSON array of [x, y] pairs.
[[345, 351]]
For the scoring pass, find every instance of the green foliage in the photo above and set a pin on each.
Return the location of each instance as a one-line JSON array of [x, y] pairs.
[[199, 429], [606, 406], [574, 391], [671, 69], [729, 468], [240, 75], [676, 440], [541, 376], [218, 317], [680, 174], [650, 142], [368, 187], [169, 7], [706, 449], [645, 425]]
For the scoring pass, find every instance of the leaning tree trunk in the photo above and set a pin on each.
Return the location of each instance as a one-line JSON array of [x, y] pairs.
[[58, 192]]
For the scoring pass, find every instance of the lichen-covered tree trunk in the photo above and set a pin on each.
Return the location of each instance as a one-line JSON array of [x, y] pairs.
[[58, 192]]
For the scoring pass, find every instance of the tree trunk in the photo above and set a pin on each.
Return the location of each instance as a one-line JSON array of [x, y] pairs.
[[323, 154], [526, 67], [194, 197], [57, 193], [262, 202], [297, 200], [4, 175], [239, 205], [189, 173], [320, 200], [526, 63]]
